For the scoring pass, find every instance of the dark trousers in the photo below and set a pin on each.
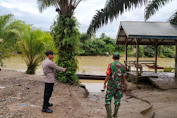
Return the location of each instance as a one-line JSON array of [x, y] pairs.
[[47, 94]]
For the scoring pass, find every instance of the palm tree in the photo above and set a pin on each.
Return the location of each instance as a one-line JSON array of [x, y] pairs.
[[114, 8], [63, 7], [66, 37], [33, 43], [9, 30]]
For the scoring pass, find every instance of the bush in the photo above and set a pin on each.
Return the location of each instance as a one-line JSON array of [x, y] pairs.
[[167, 69]]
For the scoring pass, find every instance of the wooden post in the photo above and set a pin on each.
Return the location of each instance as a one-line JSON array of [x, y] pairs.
[[176, 62], [137, 60], [156, 53], [126, 53]]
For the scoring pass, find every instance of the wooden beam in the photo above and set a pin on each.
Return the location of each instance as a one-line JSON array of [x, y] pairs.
[[176, 62], [137, 63], [150, 40], [136, 40], [156, 53], [139, 41], [122, 36], [161, 42], [126, 40], [130, 40], [154, 42], [144, 43], [126, 53]]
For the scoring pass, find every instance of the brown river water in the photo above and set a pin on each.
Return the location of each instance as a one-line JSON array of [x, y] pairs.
[[93, 65]]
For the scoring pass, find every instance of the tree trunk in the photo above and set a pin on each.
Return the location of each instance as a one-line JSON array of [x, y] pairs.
[[66, 38], [31, 69]]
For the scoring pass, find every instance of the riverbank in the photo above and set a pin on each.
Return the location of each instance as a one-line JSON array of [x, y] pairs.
[[21, 96]]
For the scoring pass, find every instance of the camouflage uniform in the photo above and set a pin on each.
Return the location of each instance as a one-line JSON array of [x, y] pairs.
[[114, 86]]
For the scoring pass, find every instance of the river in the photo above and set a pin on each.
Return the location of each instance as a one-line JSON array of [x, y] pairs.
[[94, 65]]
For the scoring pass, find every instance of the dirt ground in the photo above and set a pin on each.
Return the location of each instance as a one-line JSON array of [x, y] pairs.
[[21, 96]]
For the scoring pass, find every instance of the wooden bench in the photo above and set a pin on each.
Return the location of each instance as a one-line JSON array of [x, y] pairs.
[[130, 64]]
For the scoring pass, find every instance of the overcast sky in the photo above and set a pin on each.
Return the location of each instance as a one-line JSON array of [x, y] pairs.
[[27, 10]]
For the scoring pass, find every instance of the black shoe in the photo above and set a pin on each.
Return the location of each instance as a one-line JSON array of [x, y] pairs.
[[50, 105], [47, 110]]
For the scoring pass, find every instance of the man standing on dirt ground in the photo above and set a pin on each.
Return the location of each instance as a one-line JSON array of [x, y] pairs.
[[115, 76], [49, 79]]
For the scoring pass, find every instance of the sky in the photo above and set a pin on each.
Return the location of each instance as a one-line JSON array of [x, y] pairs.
[[27, 10]]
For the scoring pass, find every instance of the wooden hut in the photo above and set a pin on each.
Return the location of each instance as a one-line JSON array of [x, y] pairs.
[[147, 33]]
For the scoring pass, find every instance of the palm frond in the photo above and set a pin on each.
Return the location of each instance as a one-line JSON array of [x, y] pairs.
[[4, 21], [112, 10], [62, 6], [33, 43], [10, 32], [173, 19], [43, 4], [153, 7]]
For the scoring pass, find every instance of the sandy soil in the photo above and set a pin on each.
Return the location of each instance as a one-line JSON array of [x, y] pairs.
[[21, 96]]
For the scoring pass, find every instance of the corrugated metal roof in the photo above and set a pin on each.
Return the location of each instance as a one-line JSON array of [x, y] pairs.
[[149, 28], [146, 31]]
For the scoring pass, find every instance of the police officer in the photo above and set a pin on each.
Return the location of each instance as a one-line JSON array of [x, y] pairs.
[[115, 76], [49, 79]]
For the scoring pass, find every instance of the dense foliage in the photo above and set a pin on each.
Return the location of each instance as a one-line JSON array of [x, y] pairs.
[[66, 37], [9, 29], [33, 43], [16, 36], [105, 44]]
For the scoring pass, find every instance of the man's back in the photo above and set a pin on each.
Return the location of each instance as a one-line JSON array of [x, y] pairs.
[[116, 71], [116, 83]]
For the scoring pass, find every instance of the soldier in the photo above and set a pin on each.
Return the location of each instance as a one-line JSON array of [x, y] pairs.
[[49, 79], [115, 76]]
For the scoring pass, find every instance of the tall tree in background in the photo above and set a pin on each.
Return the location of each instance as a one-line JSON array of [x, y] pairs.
[[66, 37], [114, 8]]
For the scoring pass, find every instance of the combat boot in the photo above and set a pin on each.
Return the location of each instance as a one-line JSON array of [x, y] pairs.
[[47, 110], [116, 108], [108, 109]]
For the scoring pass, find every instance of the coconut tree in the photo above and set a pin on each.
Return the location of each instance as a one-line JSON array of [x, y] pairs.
[[114, 8], [66, 37], [9, 30], [33, 43]]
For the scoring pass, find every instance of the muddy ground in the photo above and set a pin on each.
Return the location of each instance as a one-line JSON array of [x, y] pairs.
[[21, 96]]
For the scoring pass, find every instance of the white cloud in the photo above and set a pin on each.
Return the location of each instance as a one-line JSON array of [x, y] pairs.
[[21, 5], [27, 10]]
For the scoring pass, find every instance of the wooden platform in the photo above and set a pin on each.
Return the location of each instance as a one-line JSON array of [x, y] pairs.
[[162, 80], [91, 77]]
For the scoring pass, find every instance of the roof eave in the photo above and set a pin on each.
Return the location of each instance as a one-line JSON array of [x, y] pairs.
[[152, 37]]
